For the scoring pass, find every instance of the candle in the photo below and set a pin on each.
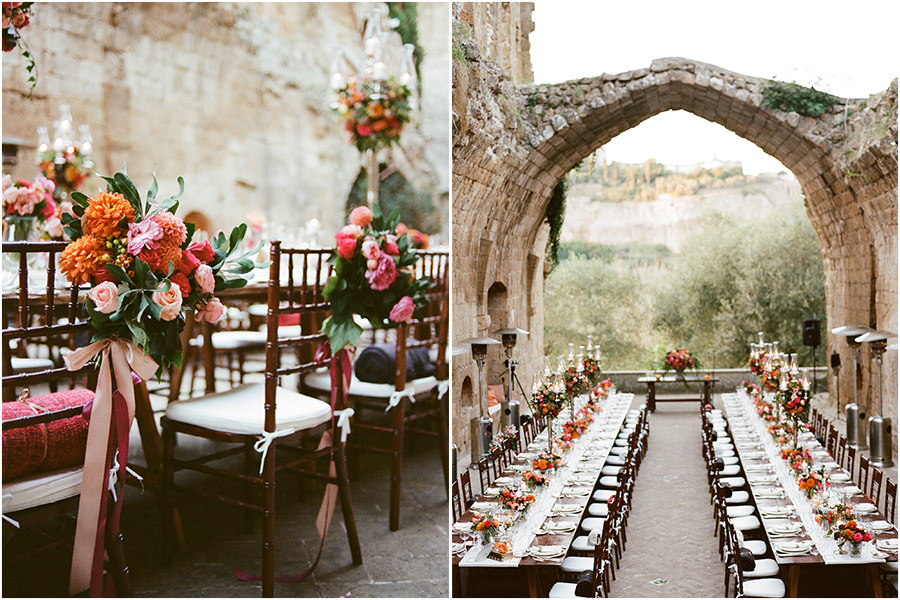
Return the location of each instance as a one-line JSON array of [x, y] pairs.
[[379, 71]]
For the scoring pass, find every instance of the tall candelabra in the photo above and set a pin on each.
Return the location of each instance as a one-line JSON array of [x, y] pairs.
[[68, 159]]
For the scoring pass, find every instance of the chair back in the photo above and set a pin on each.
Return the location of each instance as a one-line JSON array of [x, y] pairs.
[[465, 487], [44, 310], [890, 499], [497, 465], [851, 460], [841, 450], [831, 442], [508, 452], [875, 485], [484, 472], [863, 480], [297, 278], [456, 504]]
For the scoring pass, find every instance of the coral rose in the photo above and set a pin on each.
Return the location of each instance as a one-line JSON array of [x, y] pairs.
[[212, 311], [390, 245], [383, 275], [346, 244], [361, 216], [403, 310], [169, 300], [105, 297]]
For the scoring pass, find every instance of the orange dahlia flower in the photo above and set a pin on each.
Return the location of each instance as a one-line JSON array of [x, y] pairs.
[[174, 235], [104, 213], [82, 258]]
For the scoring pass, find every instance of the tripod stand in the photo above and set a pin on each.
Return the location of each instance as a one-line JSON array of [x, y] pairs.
[[510, 365]]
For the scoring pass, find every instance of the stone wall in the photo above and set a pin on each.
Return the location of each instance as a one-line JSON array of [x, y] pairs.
[[232, 96], [513, 143]]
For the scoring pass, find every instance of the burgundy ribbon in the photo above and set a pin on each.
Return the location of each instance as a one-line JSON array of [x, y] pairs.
[[345, 357]]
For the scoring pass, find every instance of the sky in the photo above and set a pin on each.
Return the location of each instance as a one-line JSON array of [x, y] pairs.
[[849, 49]]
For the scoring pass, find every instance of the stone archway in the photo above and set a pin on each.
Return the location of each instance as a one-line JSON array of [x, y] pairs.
[[513, 143]]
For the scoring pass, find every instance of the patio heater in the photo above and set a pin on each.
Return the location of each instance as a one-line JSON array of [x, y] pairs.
[[855, 439], [481, 427], [510, 410], [879, 426]]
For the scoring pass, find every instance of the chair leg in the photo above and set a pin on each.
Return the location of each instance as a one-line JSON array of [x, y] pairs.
[[340, 461], [250, 467], [399, 413], [118, 567], [268, 530]]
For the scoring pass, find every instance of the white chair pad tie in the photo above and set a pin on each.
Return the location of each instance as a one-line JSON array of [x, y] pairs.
[[344, 422], [266, 439], [398, 395]]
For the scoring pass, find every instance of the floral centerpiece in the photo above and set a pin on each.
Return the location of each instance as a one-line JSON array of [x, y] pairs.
[[798, 459], [755, 362], [813, 481], [782, 432], [577, 382], [591, 367], [679, 360], [29, 209], [833, 517], [770, 379], [143, 268], [794, 400], [486, 525], [548, 401], [373, 277], [514, 500], [68, 175], [374, 111], [507, 434], [853, 534], [16, 17], [766, 410], [535, 479], [751, 389], [546, 461]]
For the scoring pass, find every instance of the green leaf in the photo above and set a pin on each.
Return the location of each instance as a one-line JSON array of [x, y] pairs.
[[79, 199], [139, 336], [154, 187], [341, 332], [127, 189], [180, 190], [191, 228], [119, 273]]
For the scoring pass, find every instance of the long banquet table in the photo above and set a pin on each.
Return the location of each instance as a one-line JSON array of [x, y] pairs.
[[553, 520], [780, 501]]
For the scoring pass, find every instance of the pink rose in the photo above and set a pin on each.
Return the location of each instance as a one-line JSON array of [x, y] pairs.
[[403, 310], [45, 185], [169, 301], [346, 244], [105, 297], [383, 275], [401, 229], [49, 210], [370, 249], [372, 264], [361, 216], [54, 227], [364, 130], [203, 251], [188, 263], [145, 234], [354, 230], [20, 20], [857, 537], [205, 278], [181, 280], [390, 245], [212, 311]]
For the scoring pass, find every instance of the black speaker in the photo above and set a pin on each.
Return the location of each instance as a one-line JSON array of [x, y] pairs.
[[811, 335]]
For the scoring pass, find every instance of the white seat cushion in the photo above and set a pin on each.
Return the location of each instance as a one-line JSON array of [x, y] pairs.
[[730, 460], [740, 510], [756, 547], [29, 365], [738, 497], [598, 509], [241, 410], [615, 460], [591, 523], [611, 470], [582, 544], [609, 481], [729, 470], [577, 564], [734, 482], [603, 495], [764, 588], [765, 567], [321, 380], [235, 340], [562, 589], [746, 523], [44, 488]]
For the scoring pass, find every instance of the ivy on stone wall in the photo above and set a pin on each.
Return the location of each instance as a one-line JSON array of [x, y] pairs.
[[793, 97], [556, 214], [407, 15]]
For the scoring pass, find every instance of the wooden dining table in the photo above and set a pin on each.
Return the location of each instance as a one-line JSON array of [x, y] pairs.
[[776, 494], [560, 504]]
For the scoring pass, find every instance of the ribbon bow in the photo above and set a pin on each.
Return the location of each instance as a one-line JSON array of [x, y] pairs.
[[344, 422], [87, 558], [398, 395]]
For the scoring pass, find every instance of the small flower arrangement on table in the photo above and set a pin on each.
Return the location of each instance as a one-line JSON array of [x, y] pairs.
[[143, 268], [514, 500], [680, 360], [852, 534], [751, 389], [770, 379], [374, 111], [813, 481], [70, 174], [535, 479], [546, 461], [576, 381], [507, 434], [29, 208], [795, 400], [798, 459], [373, 277], [486, 525], [591, 368], [833, 517], [782, 432], [548, 401]]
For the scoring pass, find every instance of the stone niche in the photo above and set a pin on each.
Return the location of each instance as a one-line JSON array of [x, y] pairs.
[[234, 97]]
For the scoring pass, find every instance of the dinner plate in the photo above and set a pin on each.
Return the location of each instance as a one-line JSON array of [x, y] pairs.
[[881, 526], [762, 479], [889, 544], [832, 465], [786, 529], [493, 491], [503, 480], [546, 551], [482, 505], [849, 489], [864, 507], [457, 547], [777, 511], [462, 526], [576, 492], [793, 547], [560, 527], [839, 477], [567, 509]]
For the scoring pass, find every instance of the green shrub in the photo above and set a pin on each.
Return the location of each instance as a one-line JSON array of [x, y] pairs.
[[793, 97]]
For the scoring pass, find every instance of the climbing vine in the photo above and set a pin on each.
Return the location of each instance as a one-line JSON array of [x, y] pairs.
[[556, 214], [793, 97]]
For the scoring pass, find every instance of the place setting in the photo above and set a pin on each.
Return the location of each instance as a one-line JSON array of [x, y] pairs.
[[789, 529], [794, 548]]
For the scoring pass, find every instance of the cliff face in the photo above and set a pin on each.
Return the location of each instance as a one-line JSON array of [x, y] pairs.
[[669, 221]]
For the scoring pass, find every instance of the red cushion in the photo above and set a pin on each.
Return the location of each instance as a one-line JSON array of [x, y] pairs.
[[45, 446], [288, 319]]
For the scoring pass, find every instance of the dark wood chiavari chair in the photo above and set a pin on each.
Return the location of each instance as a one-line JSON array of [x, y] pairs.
[[863, 479], [455, 501], [497, 463], [851, 460], [236, 417], [39, 312], [874, 492], [890, 499], [465, 487], [841, 450], [831, 442], [484, 472]]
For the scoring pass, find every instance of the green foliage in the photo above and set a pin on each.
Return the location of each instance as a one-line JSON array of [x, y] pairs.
[[462, 37], [735, 280], [635, 253], [793, 97], [395, 192], [407, 15], [556, 214]]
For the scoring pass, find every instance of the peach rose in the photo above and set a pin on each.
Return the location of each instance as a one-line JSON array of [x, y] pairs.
[[205, 278], [169, 300], [361, 216], [105, 297], [212, 312]]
